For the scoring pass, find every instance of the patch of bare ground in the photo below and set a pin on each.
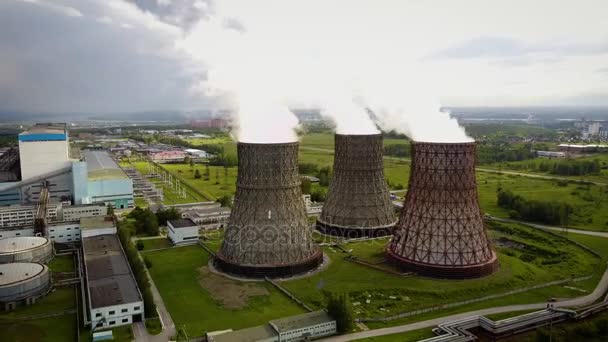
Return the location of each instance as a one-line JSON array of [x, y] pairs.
[[230, 293]]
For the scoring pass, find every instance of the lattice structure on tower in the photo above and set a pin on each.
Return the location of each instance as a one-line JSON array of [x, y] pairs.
[[441, 232], [268, 234], [358, 202]]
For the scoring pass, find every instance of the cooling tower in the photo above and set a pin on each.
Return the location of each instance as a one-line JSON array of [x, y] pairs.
[[358, 202], [441, 232], [268, 234]]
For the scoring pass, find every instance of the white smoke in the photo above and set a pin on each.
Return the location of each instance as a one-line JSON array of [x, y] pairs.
[[264, 70]]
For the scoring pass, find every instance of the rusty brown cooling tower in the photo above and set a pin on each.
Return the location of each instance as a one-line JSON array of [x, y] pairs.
[[358, 201], [268, 234], [441, 232]]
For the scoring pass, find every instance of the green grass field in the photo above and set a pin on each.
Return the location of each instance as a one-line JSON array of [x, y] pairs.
[[177, 276], [60, 328], [156, 243], [413, 292], [410, 336], [62, 263]]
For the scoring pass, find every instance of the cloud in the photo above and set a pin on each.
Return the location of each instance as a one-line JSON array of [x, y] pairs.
[[65, 10], [504, 48]]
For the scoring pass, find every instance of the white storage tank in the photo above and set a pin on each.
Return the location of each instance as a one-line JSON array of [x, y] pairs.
[[26, 249], [22, 282]]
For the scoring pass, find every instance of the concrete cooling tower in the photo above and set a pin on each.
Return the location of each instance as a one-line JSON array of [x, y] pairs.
[[268, 234], [441, 232], [358, 202]]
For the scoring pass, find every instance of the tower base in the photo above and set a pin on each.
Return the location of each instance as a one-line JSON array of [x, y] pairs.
[[353, 233], [270, 271], [443, 271]]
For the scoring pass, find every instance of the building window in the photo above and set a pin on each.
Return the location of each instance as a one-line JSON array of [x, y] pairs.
[[98, 314], [112, 323], [112, 312], [136, 308], [125, 320], [124, 310]]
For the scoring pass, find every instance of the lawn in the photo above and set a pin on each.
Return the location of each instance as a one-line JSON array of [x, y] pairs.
[[156, 243], [410, 336], [52, 329], [554, 258], [62, 263], [185, 287], [60, 328], [221, 181]]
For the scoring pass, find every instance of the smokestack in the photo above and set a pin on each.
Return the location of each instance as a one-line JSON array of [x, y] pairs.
[[441, 232], [268, 234], [358, 202]]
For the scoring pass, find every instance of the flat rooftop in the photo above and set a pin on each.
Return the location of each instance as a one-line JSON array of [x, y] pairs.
[[259, 333], [46, 128], [301, 321], [19, 271], [21, 244], [109, 278], [101, 166], [96, 222], [182, 223]]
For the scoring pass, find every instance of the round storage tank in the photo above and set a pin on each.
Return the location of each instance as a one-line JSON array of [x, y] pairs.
[[23, 281], [25, 249]]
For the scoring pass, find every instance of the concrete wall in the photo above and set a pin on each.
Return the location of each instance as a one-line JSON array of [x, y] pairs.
[[118, 192], [183, 235], [119, 314], [80, 183], [64, 232], [32, 287], [40, 157]]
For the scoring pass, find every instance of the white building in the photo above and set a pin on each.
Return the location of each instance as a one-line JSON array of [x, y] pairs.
[[43, 148], [551, 154], [196, 153], [76, 212], [24, 215], [305, 327], [113, 296], [182, 231]]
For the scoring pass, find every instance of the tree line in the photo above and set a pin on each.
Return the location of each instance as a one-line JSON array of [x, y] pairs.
[[554, 213], [568, 167]]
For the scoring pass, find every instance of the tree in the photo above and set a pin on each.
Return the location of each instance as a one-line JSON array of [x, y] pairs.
[[110, 209], [217, 176], [191, 162], [225, 201], [163, 215], [306, 185], [188, 160], [197, 174], [207, 173], [140, 245], [339, 307]]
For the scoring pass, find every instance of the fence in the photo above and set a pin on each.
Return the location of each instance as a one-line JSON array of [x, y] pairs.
[[289, 294]]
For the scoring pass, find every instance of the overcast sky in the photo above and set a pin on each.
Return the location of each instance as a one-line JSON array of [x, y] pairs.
[[117, 55]]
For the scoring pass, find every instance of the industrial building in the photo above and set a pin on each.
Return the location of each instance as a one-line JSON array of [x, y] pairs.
[[107, 183], [182, 231], [22, 283], [26, 249], [358, 202], [207, 215], [304, 327], [112, 293], [268, 234], [441, 231], [47, 170]]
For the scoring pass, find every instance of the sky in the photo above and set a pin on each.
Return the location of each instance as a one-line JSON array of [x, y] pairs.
[[119, 55]]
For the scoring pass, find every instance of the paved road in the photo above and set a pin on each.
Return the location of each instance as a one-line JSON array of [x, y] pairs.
[[596, 295], [481, 169]]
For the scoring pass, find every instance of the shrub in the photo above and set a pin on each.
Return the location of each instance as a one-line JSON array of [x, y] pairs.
[[140, 245]]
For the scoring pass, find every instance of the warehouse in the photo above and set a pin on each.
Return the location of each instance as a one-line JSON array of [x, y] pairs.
[[25, 249], [22, 283], [113, 295]]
